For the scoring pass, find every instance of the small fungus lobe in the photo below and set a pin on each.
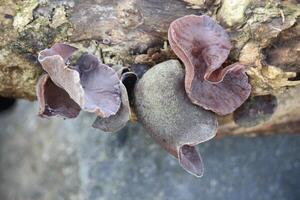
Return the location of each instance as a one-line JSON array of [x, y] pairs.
[[53, 100], [203, 46], [190, 159], [129, 79], [115, 122], [101, 86]]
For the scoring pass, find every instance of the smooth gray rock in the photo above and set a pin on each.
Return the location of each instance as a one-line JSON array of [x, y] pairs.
[[56, 159]]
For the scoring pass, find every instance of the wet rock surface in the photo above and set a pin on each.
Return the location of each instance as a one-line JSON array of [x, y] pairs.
[[67, 159]]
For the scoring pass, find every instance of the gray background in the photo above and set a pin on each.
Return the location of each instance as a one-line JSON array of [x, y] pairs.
[[67, 159]]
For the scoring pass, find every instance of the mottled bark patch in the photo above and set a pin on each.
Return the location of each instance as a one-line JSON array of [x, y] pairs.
[[256, 110]]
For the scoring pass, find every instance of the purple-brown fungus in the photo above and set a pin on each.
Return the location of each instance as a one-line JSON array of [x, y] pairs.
[[91, 84], [101, 86], [88, 85], [203, 46], [129, 79], [55, 101], [115, 122], [172, 120]]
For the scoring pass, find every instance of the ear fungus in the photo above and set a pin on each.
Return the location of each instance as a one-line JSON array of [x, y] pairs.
[[203, 46], [171, 119], [64, 77], [91, 84], [101, 86], [54, 101], [116, 122], [129, 79], [190, 160], [160, 98]]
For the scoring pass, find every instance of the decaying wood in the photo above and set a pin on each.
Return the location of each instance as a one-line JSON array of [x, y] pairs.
[[265, 36]]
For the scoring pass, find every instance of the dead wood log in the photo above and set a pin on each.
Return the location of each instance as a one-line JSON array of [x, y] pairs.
[[265, 35]]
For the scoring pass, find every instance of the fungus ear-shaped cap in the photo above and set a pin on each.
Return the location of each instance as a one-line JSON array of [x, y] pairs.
[[92, 85], [101, 86], [172, 120], [203, 46], [115, 122], [190, 160], [54, 101], [63, 50], [68, 79], [129, 79]]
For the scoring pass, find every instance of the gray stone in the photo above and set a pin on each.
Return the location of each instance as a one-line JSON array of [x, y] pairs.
[[53, 159]]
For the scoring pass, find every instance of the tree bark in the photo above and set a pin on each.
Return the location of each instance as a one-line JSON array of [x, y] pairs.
[[265, 37]]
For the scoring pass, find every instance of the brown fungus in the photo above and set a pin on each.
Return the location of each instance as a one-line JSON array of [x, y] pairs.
[[91, 84], [203, 46], [55, 101], [101, 86], [129, 79], [115, 122], [172, 120]]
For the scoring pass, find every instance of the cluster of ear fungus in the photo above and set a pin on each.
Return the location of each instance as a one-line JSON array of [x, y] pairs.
[[88, 85], [177, 106]]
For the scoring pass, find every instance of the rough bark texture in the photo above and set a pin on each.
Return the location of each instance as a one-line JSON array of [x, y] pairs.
[[265, 36]]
